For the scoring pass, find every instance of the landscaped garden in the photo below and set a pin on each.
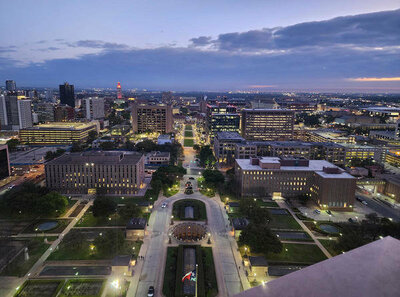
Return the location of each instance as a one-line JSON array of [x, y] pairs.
[[188, 133], [206, 277], [19, 266], [297, 253], [39, 288], [47, 226], [330, 245], [168, 192], [83, 288], [283, 221], [196, 208], [108, 244]]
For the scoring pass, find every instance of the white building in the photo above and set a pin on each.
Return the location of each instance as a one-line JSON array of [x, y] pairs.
[[15, 112], [93, 108]]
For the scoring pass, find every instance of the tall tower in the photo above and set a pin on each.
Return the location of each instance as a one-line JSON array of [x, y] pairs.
[[119, 91]]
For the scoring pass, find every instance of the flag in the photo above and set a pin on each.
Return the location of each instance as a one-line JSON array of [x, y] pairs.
[[191, 275]]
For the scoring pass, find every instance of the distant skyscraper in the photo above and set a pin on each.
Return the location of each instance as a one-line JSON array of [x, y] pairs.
[[93, 108], [119, 91], [67, 95], [11, 86], [15, 113]]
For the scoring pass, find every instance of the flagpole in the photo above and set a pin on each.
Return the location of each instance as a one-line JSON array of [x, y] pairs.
[[197, 277]]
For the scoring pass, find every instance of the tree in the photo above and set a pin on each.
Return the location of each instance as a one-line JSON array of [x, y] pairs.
[[213, 177], [130, 210], [129, 145], [103, 207], [303, 199], [12, 144], [107, 146], [92, 135], [254, 212], [146, 146], [110, 243], [77, 147], [206, 156], [50, 204], [196, 147], [260, 239]]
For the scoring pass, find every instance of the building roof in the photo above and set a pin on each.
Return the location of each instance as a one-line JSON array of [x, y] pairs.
[[369, 271], [136, 224], [258, 261], [230, 135], [313, 165], [99, 157], [63, 126], [121, 260], [239, 223]]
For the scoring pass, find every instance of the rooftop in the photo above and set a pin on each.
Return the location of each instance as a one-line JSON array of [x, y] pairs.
[[229, 135], [63, 126], [98, 157], [258, 261], [369, 271]]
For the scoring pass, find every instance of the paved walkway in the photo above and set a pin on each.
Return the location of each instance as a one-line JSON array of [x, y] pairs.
[[38, 265], [282, 204]]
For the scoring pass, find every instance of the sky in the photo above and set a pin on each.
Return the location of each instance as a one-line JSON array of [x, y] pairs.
[[262, 45]]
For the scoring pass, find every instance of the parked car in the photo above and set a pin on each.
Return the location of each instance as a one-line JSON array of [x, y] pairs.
[[317, 211], [150, 292], [192, 178], [164, 205], [328, 212], [364, 202]]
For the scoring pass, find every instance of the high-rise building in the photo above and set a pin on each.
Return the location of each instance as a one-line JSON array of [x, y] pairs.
[[4, 162], [119, 91], [267, 124], [152, 118], [11, 86], [44, 111], [93, 108], [67, 95], [96, 171], [221, 117], [15, 112]]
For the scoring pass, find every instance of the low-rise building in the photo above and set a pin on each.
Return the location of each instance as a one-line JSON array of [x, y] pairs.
[[157, 159], [328, 185], [60, 133], [224, 146], [113, 172], [136, 229], [164, 139]]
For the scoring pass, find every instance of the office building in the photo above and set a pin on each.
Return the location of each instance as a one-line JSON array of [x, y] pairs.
[[11, 86], [64, 113], [330, 187], [67, 95], [57, 133], [152, 118], [93, 108], [224, 146], [221, 117], [4, 162], [15, 112], [330, 135], [93, 172], [267, 124], [45, 112]]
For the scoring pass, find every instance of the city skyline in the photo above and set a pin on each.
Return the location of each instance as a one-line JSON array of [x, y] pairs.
[[341, 46]]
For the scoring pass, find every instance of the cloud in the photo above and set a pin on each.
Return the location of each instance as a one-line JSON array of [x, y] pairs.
[[98, 44], [374, 79], [367, 30], [309, 55], [201, 41], [47, 49]]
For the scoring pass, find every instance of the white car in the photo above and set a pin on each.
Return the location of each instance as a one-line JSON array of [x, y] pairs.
[[164, 205], [364, 202]]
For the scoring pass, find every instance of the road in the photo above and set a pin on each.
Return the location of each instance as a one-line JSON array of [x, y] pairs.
[[230, 279], [380, 208]]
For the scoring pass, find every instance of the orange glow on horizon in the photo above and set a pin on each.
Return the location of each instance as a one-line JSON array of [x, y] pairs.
[[368, 79]]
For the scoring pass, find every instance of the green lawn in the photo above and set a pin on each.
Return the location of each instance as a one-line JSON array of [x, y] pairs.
[[19, 267], [297, 253], [188, 142], [283, 222], [188, 127], [199, 209], [170, 272], [267, 203], [188, 133], [330, 246], [67, 252], [168, 192], [83, 288]]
